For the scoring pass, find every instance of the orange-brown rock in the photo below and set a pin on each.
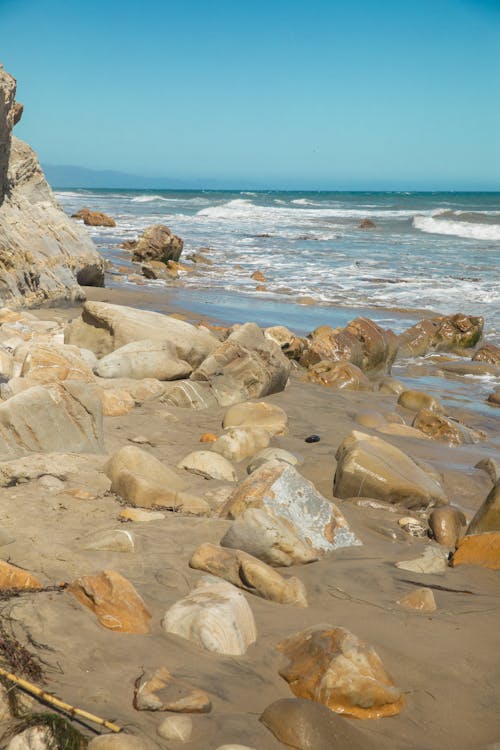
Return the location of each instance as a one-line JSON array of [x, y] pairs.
[[367, 224], [479, 549], [156, 242], [443, 333], [333, 344], [338, 375], [94, 218], [421, 600], [445, 429], [332, 666], [258, 276], [161, 691], [447, 525], [12, 577], [261, 288], [114, 601], [488, 353], [208, 437]]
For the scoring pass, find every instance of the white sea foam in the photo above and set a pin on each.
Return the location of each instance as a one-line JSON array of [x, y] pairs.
[[457, 228]]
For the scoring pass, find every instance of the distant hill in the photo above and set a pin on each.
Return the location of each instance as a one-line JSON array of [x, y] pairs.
[[66, 176]]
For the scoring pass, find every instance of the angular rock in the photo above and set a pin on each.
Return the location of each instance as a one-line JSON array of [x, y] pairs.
[[189, 395], [156, 242], [421, 600], [291, 345], [432, 561], [209, 465], [103, 327], [48, 363], [479, 549], [279, 490], [176, 728], [114, 601], [270, 417], [112, 540], [332, 344], [246, 365], [417, 400], [12, 577], [238, 443], [447, 526], [248, 573], [487, 517], [144, 359], [338, 375], [214, 616], [272, 454], [94, 218], [332, 666], [368, 466], [441, 334], [449, 431], [488, 353], [161, 691]]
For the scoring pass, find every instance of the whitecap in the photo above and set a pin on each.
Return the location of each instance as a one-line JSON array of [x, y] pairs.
[[457, 228]]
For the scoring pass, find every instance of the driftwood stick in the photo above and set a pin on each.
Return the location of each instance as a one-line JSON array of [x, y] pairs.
[[48, 698]]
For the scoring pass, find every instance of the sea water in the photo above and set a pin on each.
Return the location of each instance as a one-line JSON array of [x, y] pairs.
[[428, 251]]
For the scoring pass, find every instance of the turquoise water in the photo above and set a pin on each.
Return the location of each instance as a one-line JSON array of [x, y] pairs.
[[433, 251]]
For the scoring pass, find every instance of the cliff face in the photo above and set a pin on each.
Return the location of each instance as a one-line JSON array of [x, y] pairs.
[[44, 255]]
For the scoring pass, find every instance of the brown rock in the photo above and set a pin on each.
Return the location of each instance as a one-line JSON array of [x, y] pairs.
[[447, 526], [479, 549], [94, 218], [161, 691], [445, 429], [494, 397], [333, 344], [258, 276], [208, 437], [291, 345], [338, 375], [379, 345], [417, 400], [366, 224], [269, 417], [488, 353], [487, 517], [441, 334], [332, 666], [114, 601], [156, 243], [421, 599], [12, 577], [18, 112]]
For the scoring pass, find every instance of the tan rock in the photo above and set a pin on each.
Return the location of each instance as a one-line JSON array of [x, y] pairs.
[[138, 515], [401, 430], [479, 549], [14, 578], [116, 402], [208, 437], [488, 353], [46, 363], [146, 359], [270, 417], [332, 666], [494, 397], [338, 375], [417, 400], [110, 540], [161, 691], [421, 599], [291, 345], [439, 427], [209, 465], [272, 454], [120, 741], [176, 728], [391, 386], [189, 395], [214, 616], [238, 443], [487, 517], [433, 561], [447, 526], [258, 276], [114, 601], [249, 573], [332, 344], [143, 464]]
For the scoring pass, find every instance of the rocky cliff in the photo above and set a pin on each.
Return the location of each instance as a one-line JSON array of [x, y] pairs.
[[44, 256]]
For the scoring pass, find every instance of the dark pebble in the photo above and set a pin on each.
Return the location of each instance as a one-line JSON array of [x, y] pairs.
[[313, 439]]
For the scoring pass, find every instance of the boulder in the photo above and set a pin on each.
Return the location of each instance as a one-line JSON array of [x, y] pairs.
[[487, 517], [441, 334], [278, 489], [103, 327], [44, 255], [479, 549], [37, 737], [94, 218], [306, 725], [420, 600], [238, 443], [445, 429], [156, 242], [144, 359], [159, 690], [270, 417], [48, 363], [114, 601], [488, 353], [146, 389], [338, 375], [250, 574], [271, 454], [64, 417], [189, 395], [368, 466], [333, 345], [366, 224], [209, 465], [214, 616], [332, 666], [14, 578], [447, 526], [246, 365], [116, 402], [417, 400], [291, 345]]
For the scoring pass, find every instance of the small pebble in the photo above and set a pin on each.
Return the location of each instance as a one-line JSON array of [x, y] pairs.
[[313, 439], [208, 437]]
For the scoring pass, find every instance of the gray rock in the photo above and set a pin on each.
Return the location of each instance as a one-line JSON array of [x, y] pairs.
[[112, 540], [432, 561], [144, 359]]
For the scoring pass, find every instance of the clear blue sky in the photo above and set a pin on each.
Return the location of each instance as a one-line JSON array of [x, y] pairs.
[[311, 94]]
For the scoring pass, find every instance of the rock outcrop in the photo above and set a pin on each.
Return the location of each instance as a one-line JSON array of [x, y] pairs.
[[156, 243], [441, 334], [44, 256]]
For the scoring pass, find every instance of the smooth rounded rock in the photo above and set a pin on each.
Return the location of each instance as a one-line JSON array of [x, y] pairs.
[[257, 414], [420, 600], [238, 443], [417, 400], [112, 540], [176, 728], [272, 454], [447, 526], [209, 465]]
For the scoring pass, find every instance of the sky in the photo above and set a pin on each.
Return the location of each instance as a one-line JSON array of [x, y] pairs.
[[318, 94]]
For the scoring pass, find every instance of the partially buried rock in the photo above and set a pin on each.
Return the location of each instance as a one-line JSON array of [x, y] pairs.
[[112, 540], [447, 525], [439, 427], [144, 359], [209, 465], [479, 549], [114, 601], [138, 515], [116, 402], [332, 666], [119, 741], [94, 218], [238, 443], [161, 691], [12, 577], [176, 728], [272, 454], [487, 517], [249, 573], [270, 417], [258, 276], [368, 466], [338, 375], [278, 489], [214, 616], [432, 561], [421, 600]]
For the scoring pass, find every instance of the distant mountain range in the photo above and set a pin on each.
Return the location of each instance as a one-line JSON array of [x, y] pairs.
[[66, 176]]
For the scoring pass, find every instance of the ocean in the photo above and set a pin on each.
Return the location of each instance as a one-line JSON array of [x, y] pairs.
[[436, 252]]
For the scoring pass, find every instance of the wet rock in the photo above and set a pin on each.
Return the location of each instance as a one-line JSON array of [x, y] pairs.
[[262, 414], [144, 359], [209, 465], [413, 526], [306, 725], [417, 400], [479, 549], [369, 466], [338, 375], [114, 601], [441, 334], [332, 344], [161, 691], [156, 242], [487, 517], [94, 218], [447, 525], [379, 345], [271, 454], [491, 466], [332, 666], [214, 616], [291, 345], [488, 353], [392, 386], [494, 397], [249, 573], [258, 276], [103, 327], [432, 561], [366, 224], [421, 600], [12, 577], [445, 429], [176, 728], [112, 540], [238, 443], [279, 490]]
